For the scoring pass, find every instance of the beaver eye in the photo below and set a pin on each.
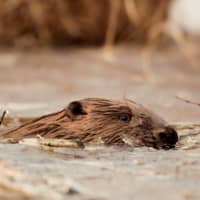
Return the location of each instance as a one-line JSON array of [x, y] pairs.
[[125, 117]]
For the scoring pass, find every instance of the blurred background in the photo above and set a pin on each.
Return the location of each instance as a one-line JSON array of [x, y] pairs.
[[55, 51]]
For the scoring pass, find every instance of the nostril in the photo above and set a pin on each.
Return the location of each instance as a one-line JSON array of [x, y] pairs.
[[169, 136]]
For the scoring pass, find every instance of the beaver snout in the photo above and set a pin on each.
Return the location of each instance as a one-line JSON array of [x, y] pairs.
[[168, 137]]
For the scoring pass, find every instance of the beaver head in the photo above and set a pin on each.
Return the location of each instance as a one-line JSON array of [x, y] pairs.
[[111, 122]]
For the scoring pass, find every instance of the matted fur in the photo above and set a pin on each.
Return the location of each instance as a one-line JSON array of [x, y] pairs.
[[111, 122]]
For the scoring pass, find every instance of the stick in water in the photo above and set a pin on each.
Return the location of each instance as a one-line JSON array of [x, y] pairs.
[[2, 117], [187, 101]]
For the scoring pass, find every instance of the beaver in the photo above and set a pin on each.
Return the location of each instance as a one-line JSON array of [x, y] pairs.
[[93, 120]]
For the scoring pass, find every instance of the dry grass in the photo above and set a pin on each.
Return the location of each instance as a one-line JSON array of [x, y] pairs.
[[63, 22]]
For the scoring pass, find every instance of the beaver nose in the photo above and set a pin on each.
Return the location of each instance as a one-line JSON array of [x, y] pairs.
[[169, 136]]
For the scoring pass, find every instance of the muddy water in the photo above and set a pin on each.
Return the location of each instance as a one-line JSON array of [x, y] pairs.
[[39, 82]]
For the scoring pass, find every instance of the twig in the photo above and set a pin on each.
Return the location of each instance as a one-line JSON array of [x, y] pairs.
[[52, 142], [2, 117], [187, 130], [187, 101]]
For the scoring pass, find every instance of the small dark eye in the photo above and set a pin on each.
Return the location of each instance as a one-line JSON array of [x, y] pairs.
[[125, 117]]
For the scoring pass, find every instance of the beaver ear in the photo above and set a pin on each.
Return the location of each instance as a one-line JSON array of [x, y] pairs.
[[74, 109]]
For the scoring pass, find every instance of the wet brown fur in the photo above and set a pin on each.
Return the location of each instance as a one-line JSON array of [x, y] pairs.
[[97, 120]]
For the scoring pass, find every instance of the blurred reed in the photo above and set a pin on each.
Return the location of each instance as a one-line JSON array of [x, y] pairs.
[[76, 22]]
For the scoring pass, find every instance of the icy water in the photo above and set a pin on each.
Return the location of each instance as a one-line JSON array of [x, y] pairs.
[[40, 82], [105, 173]]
